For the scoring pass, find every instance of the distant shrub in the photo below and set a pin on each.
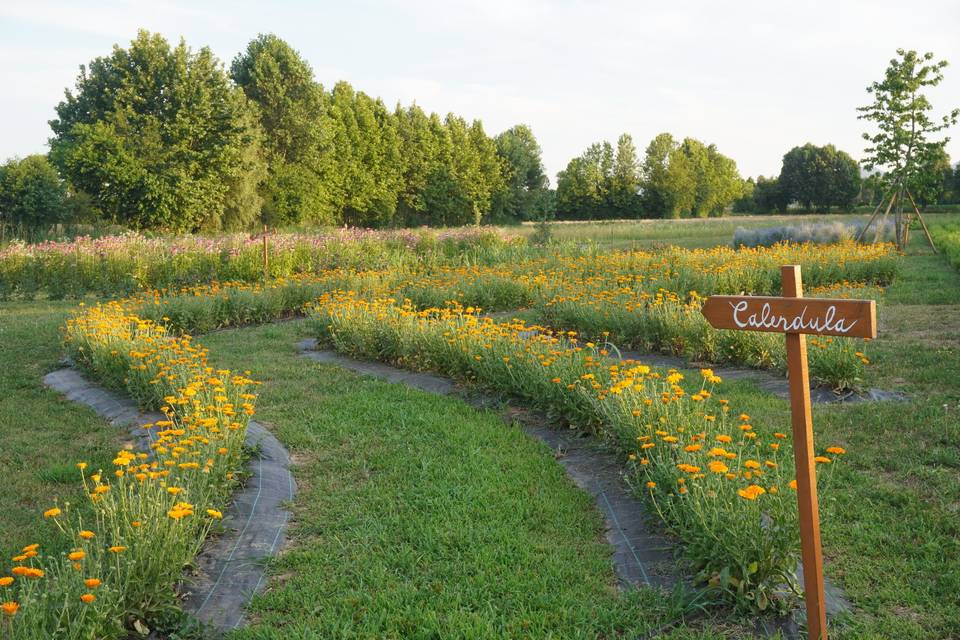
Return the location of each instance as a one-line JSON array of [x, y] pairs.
[[823, 233]]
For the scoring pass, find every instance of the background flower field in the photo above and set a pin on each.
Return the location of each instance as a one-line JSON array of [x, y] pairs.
[[886, 500]]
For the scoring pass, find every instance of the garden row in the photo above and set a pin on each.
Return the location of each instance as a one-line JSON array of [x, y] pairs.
[[720, 483], [633, 300], [115, 266], [148, 515], [947, 238], [122, 265]]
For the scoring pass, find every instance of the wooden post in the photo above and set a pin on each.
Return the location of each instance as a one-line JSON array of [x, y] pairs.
[[795, 316], [266, 256], [863, 232], [922, 223], [806, 473]]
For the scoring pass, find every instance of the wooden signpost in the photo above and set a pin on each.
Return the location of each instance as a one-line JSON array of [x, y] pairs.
[[795, 316], [265, 236]]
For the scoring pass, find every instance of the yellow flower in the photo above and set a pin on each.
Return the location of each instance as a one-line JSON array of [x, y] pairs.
[[822, 460], [836, 450], [52, 513], [717, 467], [793, 484], [751, 464], [651, 485], [213, 513], [117, 549], [724, 438], [752, 492], [86, 535], [6, 581]]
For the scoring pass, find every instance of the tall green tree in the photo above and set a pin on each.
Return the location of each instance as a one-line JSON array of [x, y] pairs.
[[583, 187], [522, 196], [420, 145], [688, 178], [624, 187], [902, 147], [366, 180], [820, 177], [160, 138], [291, 110], [653, 174], [32, 195]]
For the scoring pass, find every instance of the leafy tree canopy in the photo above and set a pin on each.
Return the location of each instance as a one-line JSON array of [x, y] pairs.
[[160, 138]]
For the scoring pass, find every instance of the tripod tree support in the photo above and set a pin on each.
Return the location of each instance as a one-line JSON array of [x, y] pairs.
[[795, 316], [896, 196]]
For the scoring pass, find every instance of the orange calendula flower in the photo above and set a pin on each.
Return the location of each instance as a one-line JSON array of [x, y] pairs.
[[87, 598], [9, 608], [839, 451], [717, 467], [651, 485], [724, 438], [117, 549], [6, 581], [752, 492], [92, 583], [86, 535], [52, 513], [76, 555], [822, 460], [793, 485]]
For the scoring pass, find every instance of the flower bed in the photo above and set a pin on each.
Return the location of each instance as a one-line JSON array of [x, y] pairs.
[[121, 265], [720, 483], [149, 513]]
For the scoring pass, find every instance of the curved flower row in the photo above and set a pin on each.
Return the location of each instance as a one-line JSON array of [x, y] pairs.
[[147, 514], [720, 482]]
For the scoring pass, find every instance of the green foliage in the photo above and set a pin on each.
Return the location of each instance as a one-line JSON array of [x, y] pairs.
[[688, 179], [522, 196], [819, 177], [32, 194], [290, 106], [364, 142], [901, 147], [601, 183], [159, 138]]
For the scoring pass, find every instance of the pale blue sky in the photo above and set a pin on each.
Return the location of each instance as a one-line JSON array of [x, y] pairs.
[[756, 77]]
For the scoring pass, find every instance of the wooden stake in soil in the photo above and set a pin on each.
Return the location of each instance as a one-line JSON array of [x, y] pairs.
[[796, 316]]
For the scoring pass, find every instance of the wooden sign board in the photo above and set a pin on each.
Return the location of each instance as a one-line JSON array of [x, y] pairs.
[[796, 316], [821, 316]]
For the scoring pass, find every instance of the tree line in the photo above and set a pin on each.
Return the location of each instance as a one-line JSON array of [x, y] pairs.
[[164, 137], [156, 136], [675, 179]]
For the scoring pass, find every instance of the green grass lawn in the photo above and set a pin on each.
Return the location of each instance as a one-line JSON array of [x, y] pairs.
[[419, 516], [42, 435]]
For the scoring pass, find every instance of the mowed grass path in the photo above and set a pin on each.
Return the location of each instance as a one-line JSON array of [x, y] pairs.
[[419, 516], [42, 435]]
